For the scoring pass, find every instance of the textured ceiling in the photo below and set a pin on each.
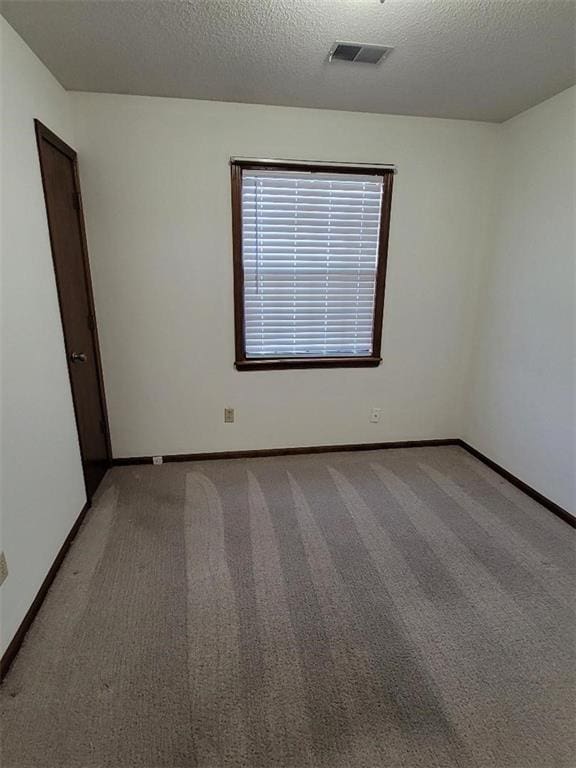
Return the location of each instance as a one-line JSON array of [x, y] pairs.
[[474, 59]]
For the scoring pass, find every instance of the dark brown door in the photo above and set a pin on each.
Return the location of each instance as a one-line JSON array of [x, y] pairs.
[[60, 179]]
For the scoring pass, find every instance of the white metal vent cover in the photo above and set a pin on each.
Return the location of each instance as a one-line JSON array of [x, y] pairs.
[[358, 53]]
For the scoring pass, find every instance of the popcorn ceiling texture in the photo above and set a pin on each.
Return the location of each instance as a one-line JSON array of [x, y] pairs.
[[470, 59]]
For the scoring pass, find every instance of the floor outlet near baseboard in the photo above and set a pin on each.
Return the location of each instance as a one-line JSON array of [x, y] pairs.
[[157, 460]]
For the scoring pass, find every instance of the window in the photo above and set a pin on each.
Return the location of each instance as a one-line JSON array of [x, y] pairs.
[[310, 244]]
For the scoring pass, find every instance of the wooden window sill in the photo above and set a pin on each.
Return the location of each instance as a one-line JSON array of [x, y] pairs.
[[282, 363]]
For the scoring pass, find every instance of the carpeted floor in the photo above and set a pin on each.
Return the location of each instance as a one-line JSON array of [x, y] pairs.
[[401, 608]]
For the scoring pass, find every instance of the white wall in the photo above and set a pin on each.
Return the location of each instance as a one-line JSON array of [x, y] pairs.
[[42, 490], [155, 180], [522, 407]]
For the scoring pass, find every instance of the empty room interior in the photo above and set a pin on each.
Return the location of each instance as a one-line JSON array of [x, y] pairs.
[[288, 384]]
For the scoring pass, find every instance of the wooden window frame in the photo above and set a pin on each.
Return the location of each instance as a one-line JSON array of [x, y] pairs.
[[244, 363]]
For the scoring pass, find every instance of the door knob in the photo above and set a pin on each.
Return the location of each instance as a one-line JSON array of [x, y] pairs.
[[78, 357]]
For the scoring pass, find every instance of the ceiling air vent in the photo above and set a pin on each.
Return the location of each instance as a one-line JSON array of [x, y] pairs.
[[358, 53]]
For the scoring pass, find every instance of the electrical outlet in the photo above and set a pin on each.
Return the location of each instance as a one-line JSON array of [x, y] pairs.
[[228, 415], [157, 460], [375, 415], [3, 568]]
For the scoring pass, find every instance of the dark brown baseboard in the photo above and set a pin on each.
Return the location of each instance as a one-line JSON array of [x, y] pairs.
[[528, 490], [264, 452], [14, 647]]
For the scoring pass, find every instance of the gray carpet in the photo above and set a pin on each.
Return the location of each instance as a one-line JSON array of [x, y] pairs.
[[398, 608]]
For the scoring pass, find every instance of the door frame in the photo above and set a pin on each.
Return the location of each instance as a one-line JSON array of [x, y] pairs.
[[45, 134]]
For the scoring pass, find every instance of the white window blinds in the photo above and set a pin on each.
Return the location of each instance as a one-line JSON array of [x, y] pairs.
[[310, 257]]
